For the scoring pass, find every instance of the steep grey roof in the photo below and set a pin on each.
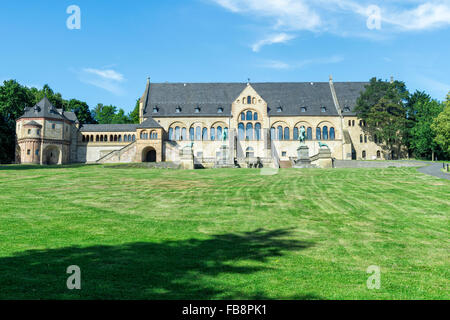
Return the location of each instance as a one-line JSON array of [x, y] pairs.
[[69, 115], [150, 123], [209, 97], [108, 127], [347, 94], [43, 109]]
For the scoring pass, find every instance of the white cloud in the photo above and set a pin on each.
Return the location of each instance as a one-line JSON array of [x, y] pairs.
[[106, 79], [272, 39], [281, 65], [340, 17]]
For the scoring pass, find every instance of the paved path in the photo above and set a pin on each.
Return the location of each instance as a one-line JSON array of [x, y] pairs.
[[434, 169]]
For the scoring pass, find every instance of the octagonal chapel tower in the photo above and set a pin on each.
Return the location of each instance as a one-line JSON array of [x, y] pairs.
[[45, 134]]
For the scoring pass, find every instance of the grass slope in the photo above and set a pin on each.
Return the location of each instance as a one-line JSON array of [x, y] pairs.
[[222, 234]]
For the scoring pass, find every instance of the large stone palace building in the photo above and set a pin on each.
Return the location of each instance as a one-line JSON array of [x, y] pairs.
[[253, 120]]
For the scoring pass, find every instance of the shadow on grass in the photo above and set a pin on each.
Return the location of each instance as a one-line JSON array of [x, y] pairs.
[[186, 269], [13, 167]]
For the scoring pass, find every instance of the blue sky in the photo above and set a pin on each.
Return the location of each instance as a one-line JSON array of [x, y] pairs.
[[121, 43]]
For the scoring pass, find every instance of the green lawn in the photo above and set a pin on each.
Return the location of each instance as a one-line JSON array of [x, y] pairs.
[[140, 233]]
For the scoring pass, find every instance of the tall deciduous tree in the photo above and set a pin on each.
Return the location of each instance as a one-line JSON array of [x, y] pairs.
[[82, 111], [382, 107], [441, 127], [134, 115]]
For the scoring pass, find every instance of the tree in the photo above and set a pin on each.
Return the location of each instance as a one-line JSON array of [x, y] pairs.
[[55, 98], [422, 136], [441, 127], [382, 108], [13, 100], [134, 115], [82, 111], [104, 114]]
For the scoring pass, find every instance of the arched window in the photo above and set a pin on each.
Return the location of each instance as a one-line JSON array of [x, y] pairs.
[[219, 133], [242, 116], [198, 133], [213, 134], [325, 133], [364, 154], [125, 138], [191, 134], [296, 134], [115, 138], [241, 131], [309, 134], [249, 116], [170, 134], [111, 138], [205, 134], [378, 154], [249, 100], [258, 131], [272, 133], [254, 101], [134, 137], [255, 116], [361, 138], [349, 123], [287, 134], [177, 133], [280, 133], [120, 138], [97, 138], [249, 131], [183, 134], [365, 139], [332, 134], [318, 134]]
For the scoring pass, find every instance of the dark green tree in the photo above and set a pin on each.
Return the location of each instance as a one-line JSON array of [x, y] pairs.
[[104, 114], [82, 111], [134, 115], [441, 128], [382, 107]]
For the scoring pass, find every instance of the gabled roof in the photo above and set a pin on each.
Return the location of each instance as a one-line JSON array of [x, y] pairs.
[[32, 123], [347, 94], [150, 123], [283, 98], [45, 109], [108, 127]]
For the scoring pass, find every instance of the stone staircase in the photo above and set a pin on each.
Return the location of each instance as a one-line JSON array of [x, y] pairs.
[[124, 155], [285, 164]]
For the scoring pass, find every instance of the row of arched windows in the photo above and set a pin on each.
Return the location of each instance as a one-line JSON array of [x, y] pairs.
[[249, 132], [197, 133], [248, 100], [324, 133], [112, 138], [249, 116], [145, 135]]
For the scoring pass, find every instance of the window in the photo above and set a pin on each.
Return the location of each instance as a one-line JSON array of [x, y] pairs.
[[272, 133], [155, 110], [378, 154], [198, 133], [249, 131], [205, 134], [258, 131], [323, 109], [353, 123], [249, 100], [170, 134], [178, 110], [249, 153], [197, 110], [53, 126], [318, 134], [303, 109], [29, 131], [241, 131], [28, 152], [365, 139], [325, 133], [37, 152], [309, 134], [283, 153], [346, 109], [39, 132], [184, 134], [364, 154], [249, 116], [279, 109], [191, 134], [255, 116], [296, 134], [280, 133], [177, 133], [332, 134], [219, 133], [349, 123], [213, 134], [220, 110], [134, 137], [287, 134], [242, 116]]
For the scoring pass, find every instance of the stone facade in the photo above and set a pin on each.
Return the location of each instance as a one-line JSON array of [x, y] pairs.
[[262, 121]]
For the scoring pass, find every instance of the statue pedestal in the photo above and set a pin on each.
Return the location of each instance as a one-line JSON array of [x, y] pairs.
[[224, 160], [187, 158], [303, 161]]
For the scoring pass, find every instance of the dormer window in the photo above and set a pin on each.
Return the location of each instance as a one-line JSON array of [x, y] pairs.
[[220, 110], [323, 109], [279, 109], [303, 109], [155, 110], [178, 110], [197, 110], [346, 109]]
